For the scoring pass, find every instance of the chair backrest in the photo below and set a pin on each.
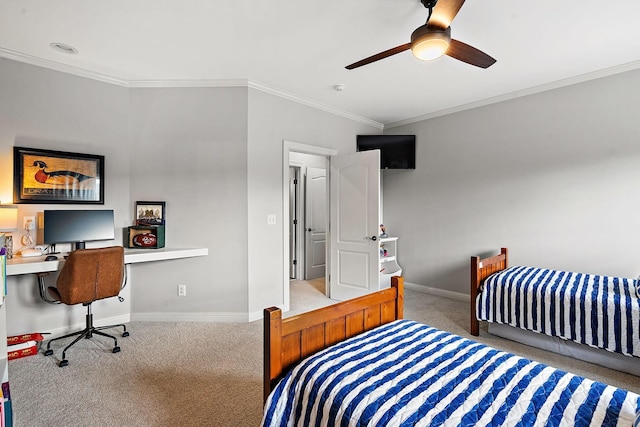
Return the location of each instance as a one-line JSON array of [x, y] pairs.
[[91, 274]]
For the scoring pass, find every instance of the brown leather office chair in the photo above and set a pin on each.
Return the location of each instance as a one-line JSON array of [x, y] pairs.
[[88, 275]]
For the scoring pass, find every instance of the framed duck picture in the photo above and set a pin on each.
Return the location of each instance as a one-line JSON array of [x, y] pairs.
[[48, 176]]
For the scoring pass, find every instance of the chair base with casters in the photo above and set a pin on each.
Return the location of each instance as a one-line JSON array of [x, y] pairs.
[[88, 333]]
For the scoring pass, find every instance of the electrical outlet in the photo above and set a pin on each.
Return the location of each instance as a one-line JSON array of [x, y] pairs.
[[271, 219], [182, 290], [29, 222]]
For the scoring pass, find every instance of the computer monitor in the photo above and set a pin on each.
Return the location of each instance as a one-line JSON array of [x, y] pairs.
[[78, 226]]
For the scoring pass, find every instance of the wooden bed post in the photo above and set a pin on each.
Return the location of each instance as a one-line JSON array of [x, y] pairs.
[[398, 283], [273, 350], [480, 270], [475, 283]]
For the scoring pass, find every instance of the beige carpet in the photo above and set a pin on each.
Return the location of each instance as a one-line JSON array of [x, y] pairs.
[[202, 374]]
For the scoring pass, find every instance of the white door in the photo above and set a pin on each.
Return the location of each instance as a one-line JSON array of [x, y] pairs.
[[315, 223], [355, 222]]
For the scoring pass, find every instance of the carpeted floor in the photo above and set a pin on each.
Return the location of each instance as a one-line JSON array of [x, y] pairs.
[[203, 374]]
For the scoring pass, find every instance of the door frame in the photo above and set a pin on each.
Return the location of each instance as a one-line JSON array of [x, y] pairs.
[[297, 147], [298, 230]]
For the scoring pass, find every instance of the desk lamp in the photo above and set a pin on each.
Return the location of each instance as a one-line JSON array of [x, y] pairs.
[[8, 222]]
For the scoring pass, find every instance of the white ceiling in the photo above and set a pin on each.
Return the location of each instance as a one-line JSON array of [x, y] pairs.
[[299, 48]]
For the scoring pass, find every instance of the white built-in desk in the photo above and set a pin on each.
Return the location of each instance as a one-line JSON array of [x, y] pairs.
[[31, 265]]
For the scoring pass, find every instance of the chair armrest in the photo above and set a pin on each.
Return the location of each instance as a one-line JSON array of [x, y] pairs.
[[42, 285]]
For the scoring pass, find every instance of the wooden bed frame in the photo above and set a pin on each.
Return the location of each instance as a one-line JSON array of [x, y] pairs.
[[480, 270], [288, 341]]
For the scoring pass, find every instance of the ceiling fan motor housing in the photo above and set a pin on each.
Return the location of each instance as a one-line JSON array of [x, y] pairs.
[[428, 42], [429, 4]]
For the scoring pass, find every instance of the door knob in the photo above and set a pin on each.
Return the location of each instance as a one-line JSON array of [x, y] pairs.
[[374, 238], [311, 229]]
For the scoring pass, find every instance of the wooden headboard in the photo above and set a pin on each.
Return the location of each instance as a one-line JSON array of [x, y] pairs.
[[288, 341], [480, 270]]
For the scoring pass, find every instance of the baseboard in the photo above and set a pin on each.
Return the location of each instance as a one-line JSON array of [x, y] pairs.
[[115, 320], [258, 315], [439, 292], [254, 316], [191, 317]]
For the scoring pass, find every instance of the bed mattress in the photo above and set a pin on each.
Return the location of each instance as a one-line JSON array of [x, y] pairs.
[[409, 374], [599, 311]]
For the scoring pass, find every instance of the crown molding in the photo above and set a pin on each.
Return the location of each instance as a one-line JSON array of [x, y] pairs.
[[77, 71], [520, 93], [188, 83], [81, 72], [318, 106], [57, 66]]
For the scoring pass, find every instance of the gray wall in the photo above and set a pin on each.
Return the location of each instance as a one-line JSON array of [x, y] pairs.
[[271, 121], [552, 176], [188, 148], [215, 155], [45, 109]]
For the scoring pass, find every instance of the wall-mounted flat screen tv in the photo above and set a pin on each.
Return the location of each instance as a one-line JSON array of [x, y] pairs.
[[396, 151]]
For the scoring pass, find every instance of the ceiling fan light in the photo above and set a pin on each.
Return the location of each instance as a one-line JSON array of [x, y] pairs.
[[430, 43], [430, 49]]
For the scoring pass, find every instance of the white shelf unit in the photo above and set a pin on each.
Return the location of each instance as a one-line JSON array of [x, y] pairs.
[[388, 264]]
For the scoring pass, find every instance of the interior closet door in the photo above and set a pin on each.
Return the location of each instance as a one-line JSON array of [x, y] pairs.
[[315, 223]]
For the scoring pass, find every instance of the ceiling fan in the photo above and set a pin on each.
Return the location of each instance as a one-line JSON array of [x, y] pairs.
[[433, 39]]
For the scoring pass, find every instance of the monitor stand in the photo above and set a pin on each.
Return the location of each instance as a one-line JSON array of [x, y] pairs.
[[79, 245]]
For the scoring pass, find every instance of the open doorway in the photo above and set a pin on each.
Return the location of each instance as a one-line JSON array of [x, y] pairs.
[[307, 228], [353, 187], [306, 216]]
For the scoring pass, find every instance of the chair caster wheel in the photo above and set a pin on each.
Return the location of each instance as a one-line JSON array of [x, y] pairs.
[[63, 363], [116, 350], [125, 334], [48, 352]]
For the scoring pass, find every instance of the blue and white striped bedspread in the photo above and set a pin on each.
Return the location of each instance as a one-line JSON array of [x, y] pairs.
[[599, 311], [409, 374]]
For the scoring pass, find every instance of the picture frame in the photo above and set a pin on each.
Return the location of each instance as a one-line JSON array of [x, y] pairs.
[[49, 176], [150, 213]]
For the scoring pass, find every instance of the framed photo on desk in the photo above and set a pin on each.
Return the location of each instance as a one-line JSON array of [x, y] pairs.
[[150, 213], [47, 176]]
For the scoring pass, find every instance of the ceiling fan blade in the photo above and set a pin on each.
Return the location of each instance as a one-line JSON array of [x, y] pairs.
[[379, 56], [443, 13], [469, 54]]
